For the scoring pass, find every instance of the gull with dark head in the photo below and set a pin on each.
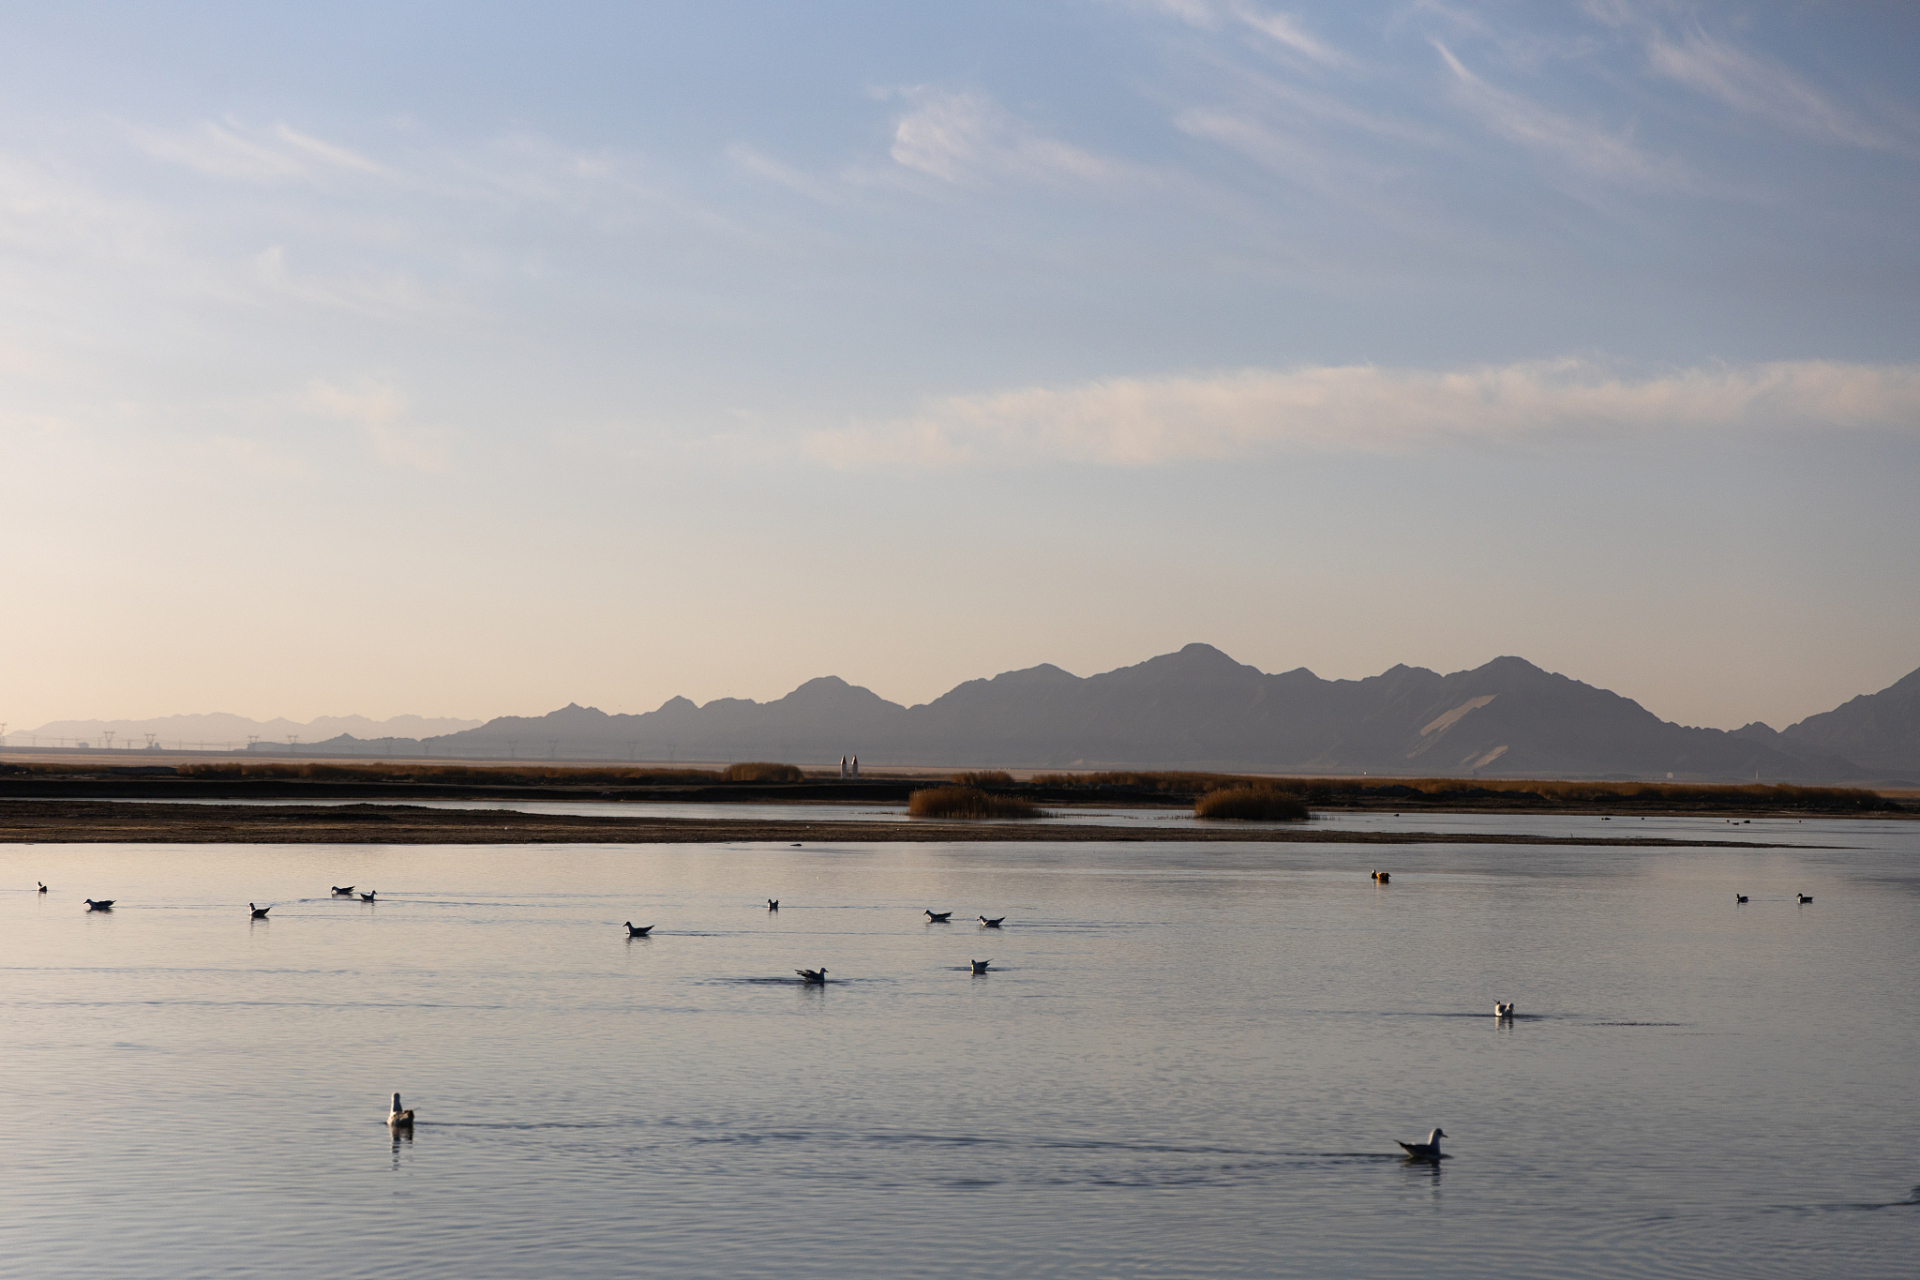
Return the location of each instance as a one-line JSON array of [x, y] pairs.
[[638, 931], [991, 924], [979, 966], [813, 977], [259, 913]]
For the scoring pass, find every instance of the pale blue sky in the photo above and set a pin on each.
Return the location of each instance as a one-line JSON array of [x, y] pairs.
[[472, 359]]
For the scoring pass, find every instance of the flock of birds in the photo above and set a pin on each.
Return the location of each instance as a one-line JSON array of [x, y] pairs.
[[397, 1119]]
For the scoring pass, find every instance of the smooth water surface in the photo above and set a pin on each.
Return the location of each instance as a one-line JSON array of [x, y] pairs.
[[1188, 1060]]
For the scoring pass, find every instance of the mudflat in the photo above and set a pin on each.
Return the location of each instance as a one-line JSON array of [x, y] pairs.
[[110, 822]]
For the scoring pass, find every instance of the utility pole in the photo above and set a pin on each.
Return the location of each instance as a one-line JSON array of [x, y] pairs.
[[553, 748], [150, 737], [107, 734]]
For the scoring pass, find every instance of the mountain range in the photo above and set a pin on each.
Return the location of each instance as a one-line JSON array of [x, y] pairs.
[[1200, 709]]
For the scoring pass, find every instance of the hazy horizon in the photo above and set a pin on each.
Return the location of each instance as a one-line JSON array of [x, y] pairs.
[[361, 358]]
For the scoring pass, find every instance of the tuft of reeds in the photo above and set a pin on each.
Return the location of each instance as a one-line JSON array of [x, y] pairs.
[[983, 778], [968, 802], [1251, 804], [761, 771]]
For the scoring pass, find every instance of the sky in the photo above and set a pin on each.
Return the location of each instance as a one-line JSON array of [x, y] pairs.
[[473, 359]]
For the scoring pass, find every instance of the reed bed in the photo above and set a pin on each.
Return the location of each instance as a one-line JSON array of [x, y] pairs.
[[380, 771], [968, 802], [1167, 781], [1251, 804], [983, 778], [761, 771]]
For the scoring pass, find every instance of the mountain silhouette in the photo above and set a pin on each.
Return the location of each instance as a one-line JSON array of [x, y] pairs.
[[1200, 709]]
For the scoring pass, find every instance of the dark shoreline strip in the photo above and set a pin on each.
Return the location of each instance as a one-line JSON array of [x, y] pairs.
[[104, 822]]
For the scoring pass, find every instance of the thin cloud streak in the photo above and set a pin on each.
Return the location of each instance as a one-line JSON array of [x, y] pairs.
[[1144, 422], [1580, 146]]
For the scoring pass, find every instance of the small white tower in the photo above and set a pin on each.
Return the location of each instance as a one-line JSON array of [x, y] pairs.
[[856, 766], [843, 767]]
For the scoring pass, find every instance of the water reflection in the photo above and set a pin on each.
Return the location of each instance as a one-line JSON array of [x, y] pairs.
[[1198, 1061]]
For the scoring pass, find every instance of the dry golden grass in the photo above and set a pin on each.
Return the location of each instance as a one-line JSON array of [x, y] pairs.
[[761, 771], [471, 775], [1171, 782], [983, 778], [968, 802], [1251, 804]]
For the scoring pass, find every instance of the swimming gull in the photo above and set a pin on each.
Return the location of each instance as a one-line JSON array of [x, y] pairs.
[[104, 904], [397, 1118], [1428, 1150], [639, 931], [259, 913], [979, 966], [939, 917], [993, 923], [813, 977]]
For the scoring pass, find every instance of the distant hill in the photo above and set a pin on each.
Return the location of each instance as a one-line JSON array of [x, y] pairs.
[[1878, 730], [1199, 709], [220, 730]]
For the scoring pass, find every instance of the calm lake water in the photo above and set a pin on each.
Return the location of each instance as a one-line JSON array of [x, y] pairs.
[[1188, 1060]]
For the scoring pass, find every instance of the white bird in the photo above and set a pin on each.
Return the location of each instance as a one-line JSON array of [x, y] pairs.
[[813, 977], [1428, 1150], [979, 966], [397, 1118], [1503, 1010]]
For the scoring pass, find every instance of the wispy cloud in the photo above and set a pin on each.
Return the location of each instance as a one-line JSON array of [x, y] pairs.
[[1581, 147], [967, 137], [1759, 87], [230, 149], [1285, 30], [1140, 422]]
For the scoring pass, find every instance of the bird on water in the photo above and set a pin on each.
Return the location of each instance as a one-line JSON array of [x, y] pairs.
[[105, 904], [1804, 897], [343, 891], [773, 904], [1428, 1150], [939, 917], [397, 1118], [42, 884], [1739, 898], [259, 913], [979, 966], [993, 923], [813, 977], [368, 895], [1503, 1009], [640, 931]]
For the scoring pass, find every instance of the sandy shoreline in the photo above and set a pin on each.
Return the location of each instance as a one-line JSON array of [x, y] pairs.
[[107, 822]]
